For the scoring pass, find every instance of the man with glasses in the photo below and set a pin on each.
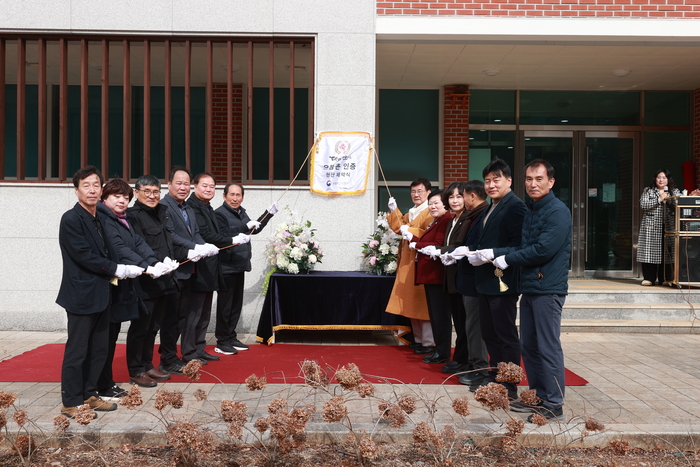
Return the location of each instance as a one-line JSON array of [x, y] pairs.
[[407, 298], [149, 220]]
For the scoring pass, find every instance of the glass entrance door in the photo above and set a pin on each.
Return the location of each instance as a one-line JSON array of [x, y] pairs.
[[596, 177], [609, 200]]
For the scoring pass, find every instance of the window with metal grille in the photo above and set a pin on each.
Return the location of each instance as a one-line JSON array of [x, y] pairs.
[[239, 108]]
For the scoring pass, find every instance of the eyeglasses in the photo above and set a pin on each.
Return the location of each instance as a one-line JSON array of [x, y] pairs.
[[417, 192], [149, 193]]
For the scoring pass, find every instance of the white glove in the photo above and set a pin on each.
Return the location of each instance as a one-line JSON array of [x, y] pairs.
[[240, 239], [120, 273], [403, 229], [156, 271], [500, 262], [475, 259], [488, 254], [212, 250], [274, 207], [170, 265], [133, 271], [412, 245], [447, 259], [194, 256], [252, 225], [460, 252], [392, 204], [431, 251], [408, 236]]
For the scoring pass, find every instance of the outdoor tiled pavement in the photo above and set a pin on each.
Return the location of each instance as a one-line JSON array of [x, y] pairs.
[[644, 387]]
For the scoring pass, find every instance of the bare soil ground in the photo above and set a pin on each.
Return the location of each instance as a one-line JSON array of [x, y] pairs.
[[389, 455]]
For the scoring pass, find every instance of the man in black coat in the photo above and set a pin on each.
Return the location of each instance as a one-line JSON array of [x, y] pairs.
[[89, 263], [235, 262], [149, 220], [208, 278], [184, 230], [499, 233]]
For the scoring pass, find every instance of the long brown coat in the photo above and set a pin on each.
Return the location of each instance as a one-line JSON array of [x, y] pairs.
[[408, 299]]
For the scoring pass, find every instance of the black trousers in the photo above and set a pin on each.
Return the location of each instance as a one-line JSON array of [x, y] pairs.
[[459, 318], [653, 272], [141, 336], [84, 357], [194, 323], [170, 327], [440, 318], [229, 304], [106, 380], [497, 314]]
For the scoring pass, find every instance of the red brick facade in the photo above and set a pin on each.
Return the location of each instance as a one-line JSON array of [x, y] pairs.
[[545, 8], [456, 136], [219, 125]]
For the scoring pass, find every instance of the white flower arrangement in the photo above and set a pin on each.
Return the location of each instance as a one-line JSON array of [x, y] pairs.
[[292, 248], [379, 253]]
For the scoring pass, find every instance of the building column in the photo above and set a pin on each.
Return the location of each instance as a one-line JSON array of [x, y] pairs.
[[696, 135], [456, 133], [219, 121]]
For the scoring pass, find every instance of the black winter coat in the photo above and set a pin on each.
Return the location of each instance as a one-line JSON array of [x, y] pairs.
[[502, 233], [133, 250], [208, 277], [231, 223], [151, 225]]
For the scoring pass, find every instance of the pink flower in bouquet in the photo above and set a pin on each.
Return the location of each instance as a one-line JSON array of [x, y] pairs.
[[373, 243], [286, 234], [373, 260]]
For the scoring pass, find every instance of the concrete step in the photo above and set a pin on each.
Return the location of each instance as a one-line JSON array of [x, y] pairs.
[[630, 310], [631, 326]]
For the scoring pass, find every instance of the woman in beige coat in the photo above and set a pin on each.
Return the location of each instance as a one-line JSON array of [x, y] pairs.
[[407, 298]]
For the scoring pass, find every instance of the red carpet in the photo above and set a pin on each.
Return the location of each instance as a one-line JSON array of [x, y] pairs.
[[279, 363]]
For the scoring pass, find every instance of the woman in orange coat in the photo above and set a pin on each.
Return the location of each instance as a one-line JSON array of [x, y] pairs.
[[407, 298]]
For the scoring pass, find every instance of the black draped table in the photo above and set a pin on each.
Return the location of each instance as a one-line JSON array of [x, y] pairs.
[[328, 300]]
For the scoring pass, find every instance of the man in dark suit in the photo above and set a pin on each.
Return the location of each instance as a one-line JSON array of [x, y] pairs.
[[89, 263], [184, 231], [209, 277], [500, 230]]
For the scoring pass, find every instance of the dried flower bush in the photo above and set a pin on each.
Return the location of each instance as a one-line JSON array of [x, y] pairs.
[[493, 396], [7, 399], [61, 423], [461, 406], [253, 383], [191, 370], [529, 396], [594, 425], [619, 447], [509, 373], [24, 445], [20, 417], [348, 377], [133, 399], [84, 415], [200, 395], [165, 398]]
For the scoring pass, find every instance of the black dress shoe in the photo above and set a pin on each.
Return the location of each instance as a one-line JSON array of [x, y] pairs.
[[435, 358], [424, 350], [455, 367], [208, 356], [415, 345]]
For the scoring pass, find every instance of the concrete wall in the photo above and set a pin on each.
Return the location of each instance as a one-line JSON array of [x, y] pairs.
[[345, 100]]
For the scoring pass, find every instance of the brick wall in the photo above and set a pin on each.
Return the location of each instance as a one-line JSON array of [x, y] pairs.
[[545, 8], [456, 137], [219, 125], [696, 135]]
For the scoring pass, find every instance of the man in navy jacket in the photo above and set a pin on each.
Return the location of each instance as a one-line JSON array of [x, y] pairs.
[[500, 228], [89, 263], [544, 261]]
